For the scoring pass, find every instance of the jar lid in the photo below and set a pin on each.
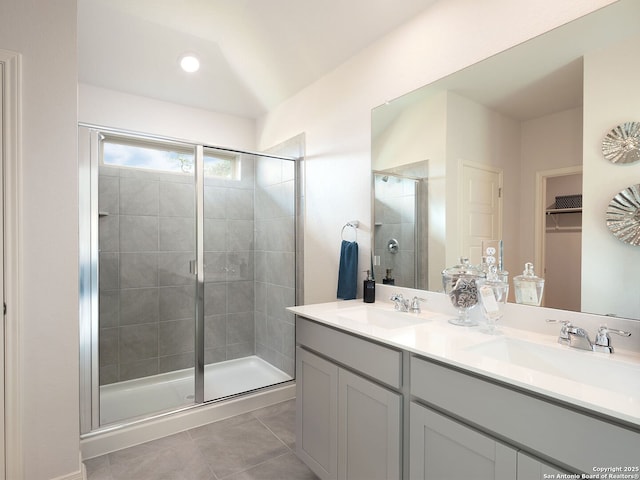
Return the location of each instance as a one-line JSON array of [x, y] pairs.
[[464, 268]]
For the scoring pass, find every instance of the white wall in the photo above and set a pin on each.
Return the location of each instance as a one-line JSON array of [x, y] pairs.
[[109, 108], [610, 99], [335, 112], [45, 34]]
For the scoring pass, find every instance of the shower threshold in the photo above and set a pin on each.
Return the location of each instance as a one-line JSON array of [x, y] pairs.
[[133, 399]]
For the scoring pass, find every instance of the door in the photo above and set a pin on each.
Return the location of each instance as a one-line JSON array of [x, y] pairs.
[[368, 429], [443, 449], [480, 208], [317, 414], [144, 211]]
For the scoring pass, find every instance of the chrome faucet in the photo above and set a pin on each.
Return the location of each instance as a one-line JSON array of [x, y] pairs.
[[577, 337], [401, 305], [603, 341]]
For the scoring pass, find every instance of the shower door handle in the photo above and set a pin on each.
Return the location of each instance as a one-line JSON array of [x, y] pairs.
[[193, 270]]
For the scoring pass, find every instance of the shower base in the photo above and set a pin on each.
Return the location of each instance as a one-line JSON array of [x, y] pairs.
[[133, 399]]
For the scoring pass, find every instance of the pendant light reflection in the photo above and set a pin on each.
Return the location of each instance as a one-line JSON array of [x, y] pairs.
[[189, 63]]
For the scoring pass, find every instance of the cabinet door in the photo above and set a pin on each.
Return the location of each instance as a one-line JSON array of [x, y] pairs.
[[530, 468], [368, 429], [443, 449], [317, 414]]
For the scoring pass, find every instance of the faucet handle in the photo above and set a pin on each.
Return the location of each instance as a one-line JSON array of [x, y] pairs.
[[563, 337], [603, 341], [415, 304]]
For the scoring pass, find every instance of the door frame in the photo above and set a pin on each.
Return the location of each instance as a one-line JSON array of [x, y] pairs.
[[11, 413], [540, 217]]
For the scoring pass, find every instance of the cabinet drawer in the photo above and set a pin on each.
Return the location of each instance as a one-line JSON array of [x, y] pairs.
[[382, 363], [578, 440]]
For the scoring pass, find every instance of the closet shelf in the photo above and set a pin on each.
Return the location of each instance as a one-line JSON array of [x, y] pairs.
[[553, 211]]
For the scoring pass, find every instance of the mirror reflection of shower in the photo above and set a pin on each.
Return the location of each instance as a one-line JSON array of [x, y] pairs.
[[400, 225]]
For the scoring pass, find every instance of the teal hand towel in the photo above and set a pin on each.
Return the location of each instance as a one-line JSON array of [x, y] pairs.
[[348, 271]]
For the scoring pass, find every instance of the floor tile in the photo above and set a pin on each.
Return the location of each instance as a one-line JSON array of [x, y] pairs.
[[254, 446], [281, 420], [286, 467], [239, 447]]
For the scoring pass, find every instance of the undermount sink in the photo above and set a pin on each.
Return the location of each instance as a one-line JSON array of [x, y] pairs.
[[590, 368], [382, 318]]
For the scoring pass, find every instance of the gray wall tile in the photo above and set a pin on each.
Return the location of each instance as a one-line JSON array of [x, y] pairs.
[[240, 297], [180, 361], [108, 345], [138, 233], [176, 336], [215, 202], [109, 233], [109, 194], [173, 268], [138, 196], [177, 302], [215, 235], [177, 234], [240, 328], [139, 305], [138, 269], [177, 200], [109, 271], [109, 308], [138, 342]]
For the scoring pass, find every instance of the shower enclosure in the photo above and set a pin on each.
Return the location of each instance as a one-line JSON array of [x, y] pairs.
[[188, 261]]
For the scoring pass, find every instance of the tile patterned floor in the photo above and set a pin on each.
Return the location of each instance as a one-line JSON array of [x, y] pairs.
[[258, 445]]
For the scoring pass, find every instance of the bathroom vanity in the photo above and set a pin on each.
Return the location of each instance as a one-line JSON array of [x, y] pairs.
[[384, 394]]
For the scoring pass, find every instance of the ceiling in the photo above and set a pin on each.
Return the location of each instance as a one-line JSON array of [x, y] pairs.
[[254, 54]]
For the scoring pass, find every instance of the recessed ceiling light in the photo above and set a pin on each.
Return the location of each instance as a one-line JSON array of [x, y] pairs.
[[189, 63]]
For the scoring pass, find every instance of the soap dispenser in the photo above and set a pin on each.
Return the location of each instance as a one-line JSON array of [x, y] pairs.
[[388, 279], [528, 286], [369, 289]]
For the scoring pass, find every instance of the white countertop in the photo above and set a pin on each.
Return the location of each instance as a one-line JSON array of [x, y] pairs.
[[608, 384]]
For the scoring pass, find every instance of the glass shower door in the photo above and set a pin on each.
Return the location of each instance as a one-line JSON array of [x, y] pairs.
[[249, 271], [146, 240]]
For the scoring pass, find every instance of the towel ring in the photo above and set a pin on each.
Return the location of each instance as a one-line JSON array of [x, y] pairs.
[[353, 224]]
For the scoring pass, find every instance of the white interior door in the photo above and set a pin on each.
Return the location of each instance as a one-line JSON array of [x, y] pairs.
[[480, 208]]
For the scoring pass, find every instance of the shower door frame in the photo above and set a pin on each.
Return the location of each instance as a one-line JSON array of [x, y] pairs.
[[89, 138]]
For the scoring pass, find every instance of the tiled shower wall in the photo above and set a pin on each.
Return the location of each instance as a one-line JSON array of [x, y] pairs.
[[395, 214], [275, 262], [147, 295]]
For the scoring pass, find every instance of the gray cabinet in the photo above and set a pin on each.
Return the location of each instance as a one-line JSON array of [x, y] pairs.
[[348, 419], [368, 429], [366, 410], [442, 449], [530, 468], [317, 413]]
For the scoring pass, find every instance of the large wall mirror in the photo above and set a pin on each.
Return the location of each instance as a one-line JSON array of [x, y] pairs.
[[489, 153]]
